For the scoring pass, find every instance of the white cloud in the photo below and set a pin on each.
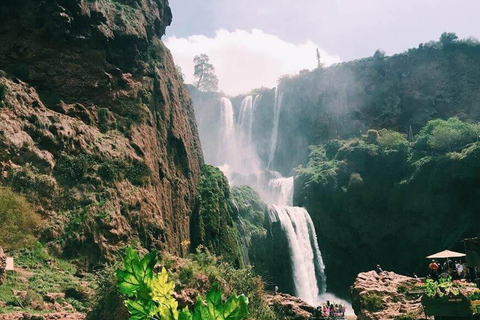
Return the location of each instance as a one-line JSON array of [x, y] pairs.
[[246, 60]]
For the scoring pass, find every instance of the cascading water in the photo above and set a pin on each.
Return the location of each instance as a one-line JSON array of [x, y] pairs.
[[307, 262], [238, 159], [276, 120]]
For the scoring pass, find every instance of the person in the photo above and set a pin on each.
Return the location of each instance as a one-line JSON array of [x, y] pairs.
[[465, 270], [460, 270], [318, 313], [454, 270], [378, 269], [276, 290], [433, 266]]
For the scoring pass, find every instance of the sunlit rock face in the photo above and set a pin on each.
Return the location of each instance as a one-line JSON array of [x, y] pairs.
[[96, 127]]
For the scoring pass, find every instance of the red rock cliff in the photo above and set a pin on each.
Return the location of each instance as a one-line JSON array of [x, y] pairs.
[[95, 125]]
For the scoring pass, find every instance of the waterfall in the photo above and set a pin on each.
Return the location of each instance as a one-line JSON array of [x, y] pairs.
[[227, 142], [236, 153], [237, 157], [276, 119], [307, 263]]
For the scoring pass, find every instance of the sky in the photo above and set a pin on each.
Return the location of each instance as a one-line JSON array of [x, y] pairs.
[[252, 43]]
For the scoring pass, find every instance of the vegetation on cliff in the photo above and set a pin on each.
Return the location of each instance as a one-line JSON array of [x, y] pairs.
[[212, 222], [374, 196], [18, 221]]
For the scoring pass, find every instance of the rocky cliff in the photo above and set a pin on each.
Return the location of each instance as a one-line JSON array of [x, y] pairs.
[[96, 128], [375, 199]]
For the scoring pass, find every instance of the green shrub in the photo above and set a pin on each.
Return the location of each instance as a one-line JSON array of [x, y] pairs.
[[150, 296], [103, 119], [70, 170], [402, 289], [389, 139], [372, 302], [108, 303], [108, 171], [138, 173], [447, 135], [408, 316], [18, 220]]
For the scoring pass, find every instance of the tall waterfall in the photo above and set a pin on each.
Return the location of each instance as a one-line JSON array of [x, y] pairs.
[[238, 159], [276, 120], [307, 262]]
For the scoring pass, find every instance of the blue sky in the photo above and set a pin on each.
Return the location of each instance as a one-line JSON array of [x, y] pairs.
[[342, 29]]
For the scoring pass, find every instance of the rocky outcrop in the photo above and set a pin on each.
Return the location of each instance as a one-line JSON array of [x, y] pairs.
[[385, 296], [96, 128], [288, 307], [53, 316]]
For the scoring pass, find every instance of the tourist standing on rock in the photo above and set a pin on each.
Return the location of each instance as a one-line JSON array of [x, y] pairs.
[[378, 269]]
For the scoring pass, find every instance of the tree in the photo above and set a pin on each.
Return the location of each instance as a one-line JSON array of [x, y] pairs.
[[448, 37], [180, 73], [319, 62], [205, 74]]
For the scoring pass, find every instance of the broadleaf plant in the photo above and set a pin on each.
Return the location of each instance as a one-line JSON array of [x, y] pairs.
[[150, 296]]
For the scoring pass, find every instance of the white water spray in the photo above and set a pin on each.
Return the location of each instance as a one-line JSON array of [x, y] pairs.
[[238, 159], [307, 262]]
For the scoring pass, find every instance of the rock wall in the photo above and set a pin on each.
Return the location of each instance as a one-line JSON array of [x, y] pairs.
[[97, 129]]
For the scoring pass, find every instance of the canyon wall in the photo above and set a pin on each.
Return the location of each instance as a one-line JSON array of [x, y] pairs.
[[96, 127]]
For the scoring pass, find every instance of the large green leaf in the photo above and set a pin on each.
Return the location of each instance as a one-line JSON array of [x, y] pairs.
[[138, 274], [235, 308], [141, 310], [185, 314]]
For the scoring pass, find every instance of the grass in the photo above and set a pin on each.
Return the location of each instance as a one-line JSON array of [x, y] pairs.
[[38, 274]]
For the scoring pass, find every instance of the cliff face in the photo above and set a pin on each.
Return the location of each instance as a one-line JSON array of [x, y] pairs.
[[374, 200], [96, 127]]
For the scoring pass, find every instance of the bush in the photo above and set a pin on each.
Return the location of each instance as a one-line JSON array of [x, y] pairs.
[[372, 302], [447, 135], [408, 316], [138, 173], [108, 171], [108, 304], [389, 139], [70, 170], [18, 220]]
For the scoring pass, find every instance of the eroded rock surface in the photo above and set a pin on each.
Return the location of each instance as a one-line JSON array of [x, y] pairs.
[[95, 125], [290, 307], [385, 296]]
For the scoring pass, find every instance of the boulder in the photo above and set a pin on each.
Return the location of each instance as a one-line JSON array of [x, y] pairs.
[[386, 296]]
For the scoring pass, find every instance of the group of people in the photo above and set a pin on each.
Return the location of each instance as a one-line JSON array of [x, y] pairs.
[[330, 311], [456, 269]]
